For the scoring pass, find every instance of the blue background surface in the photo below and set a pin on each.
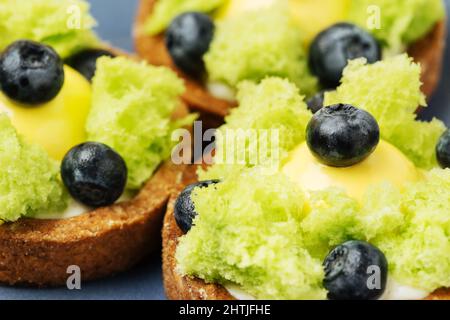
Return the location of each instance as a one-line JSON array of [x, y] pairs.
[[115, 19]]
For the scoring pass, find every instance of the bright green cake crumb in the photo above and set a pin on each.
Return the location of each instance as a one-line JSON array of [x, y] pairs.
[[29, 179], [248, 232], [390, 91], [257, 44], [402, 21], [66, 25], [166, 10], [332, 220], [273, 107], [131, 112], [419, 255]]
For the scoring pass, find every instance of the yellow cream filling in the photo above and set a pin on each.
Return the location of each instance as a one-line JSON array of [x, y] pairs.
[[386, 164], [311, 16], [58, 125]]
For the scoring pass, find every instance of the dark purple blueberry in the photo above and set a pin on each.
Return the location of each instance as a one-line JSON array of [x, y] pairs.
[[31, 73], [333, 47], [85, 62], [443, 150], [315, 103], [342, 135], [355, 270], [94, 174]]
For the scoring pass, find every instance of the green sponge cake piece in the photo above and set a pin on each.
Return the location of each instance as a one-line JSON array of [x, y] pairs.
[[272, 106], [248, 232], [64, 25], [29, 179], [390, 91], [131, 112], [166, 10], [257, 44], [401, 22], [419, 255]]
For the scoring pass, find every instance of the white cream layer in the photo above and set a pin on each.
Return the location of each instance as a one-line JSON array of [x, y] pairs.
[[221, 91], [394, 291], [75, 209]]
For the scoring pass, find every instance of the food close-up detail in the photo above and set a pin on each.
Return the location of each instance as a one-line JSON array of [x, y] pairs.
[[224, 150]]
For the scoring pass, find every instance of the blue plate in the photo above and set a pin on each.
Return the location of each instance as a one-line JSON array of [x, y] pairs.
[[144, 282]]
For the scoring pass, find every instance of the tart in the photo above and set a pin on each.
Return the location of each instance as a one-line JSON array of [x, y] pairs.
[[110, 134], [288, 227], [150, 43]]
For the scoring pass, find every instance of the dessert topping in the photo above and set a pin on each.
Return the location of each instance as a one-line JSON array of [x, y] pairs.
[[342, 135], [31, 73], [188, 39], [349, 268], [334, 47], [94, 174], [85, 62], [184, 207]]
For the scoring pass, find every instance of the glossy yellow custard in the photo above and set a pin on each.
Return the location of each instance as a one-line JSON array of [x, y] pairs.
[[59, 124], [235, 7], [312, 16], [386, 164]]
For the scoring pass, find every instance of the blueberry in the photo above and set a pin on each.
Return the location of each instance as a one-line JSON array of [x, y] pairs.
[[355, 270], [342, 135], [333, 47], [31, 73], [443, 150], [184, 210], [94, 174], [188, 38], [315, 103], [85, 62]]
